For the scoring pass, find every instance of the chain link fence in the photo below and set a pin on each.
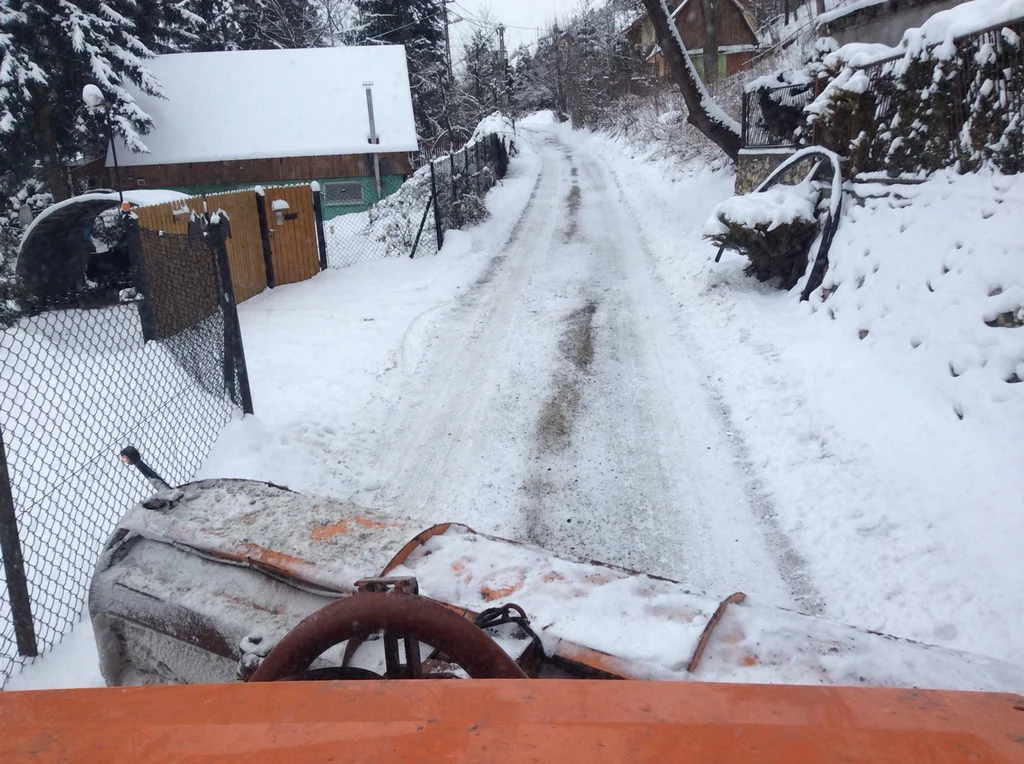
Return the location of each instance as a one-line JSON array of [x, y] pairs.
[[81, 379], [446, 193], [84, 374]]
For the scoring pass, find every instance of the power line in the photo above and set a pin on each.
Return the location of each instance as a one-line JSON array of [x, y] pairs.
[[487, 24], [404, 26]]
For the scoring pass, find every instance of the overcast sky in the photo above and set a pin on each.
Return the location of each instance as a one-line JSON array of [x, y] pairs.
[[522, 17]]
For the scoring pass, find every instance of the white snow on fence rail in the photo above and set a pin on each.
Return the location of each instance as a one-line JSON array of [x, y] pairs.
[[942, 28]]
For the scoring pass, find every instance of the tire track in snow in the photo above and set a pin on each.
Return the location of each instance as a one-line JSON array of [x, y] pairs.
[[790, 564], [462, 410], [624, 488]]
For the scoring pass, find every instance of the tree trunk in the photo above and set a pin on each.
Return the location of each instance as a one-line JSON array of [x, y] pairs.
[[709, 10], [820, 6], [560, 98], [703, 112], [47, 145]]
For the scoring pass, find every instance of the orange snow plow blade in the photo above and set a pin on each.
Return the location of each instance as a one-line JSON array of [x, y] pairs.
[[557, 720]]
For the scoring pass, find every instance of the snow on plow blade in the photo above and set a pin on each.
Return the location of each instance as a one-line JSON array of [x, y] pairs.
[[193, 593]]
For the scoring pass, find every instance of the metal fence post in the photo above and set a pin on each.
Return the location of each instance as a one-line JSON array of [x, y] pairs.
[[14, 564], [268, 254], [438, 227], [745, 117], [235, 368], [318, 215], [138, 265], [479, 180], [419, 232], [455, 223]]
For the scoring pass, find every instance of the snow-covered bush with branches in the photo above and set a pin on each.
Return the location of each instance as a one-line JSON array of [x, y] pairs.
[[773, 228], [394, 221]]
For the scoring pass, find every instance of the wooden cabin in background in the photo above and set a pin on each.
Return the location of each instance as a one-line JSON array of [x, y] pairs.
[[736, 36], [270, 117]]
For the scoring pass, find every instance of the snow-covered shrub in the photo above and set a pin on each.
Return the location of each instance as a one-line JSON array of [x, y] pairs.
[[994, 130], [11, 234], [394, 221], [107, 230], [949, 94], [469, 209], [496, 124], [773, 228]]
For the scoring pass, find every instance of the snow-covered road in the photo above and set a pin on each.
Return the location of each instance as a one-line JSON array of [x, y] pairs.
[[561, 403], [575, 372]]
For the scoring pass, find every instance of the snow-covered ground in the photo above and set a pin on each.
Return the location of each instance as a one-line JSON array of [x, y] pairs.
[[577, 372]]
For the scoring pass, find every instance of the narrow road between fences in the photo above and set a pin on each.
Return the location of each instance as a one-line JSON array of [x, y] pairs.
[[560, 403]]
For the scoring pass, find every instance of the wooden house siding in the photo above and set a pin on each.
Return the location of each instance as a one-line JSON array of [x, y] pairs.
[[253, 171], [733, 30]]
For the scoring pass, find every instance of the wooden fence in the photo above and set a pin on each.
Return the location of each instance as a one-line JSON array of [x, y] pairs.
[[265, 246], [245, 248], [291, 221]]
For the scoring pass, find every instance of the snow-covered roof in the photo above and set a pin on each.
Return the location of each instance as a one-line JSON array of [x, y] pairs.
[[265, 104], [846, 10]]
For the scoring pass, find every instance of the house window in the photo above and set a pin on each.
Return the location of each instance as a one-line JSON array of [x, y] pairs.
[[342, 194]]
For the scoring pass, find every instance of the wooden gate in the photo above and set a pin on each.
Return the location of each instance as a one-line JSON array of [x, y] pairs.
[[293, 240], [245, 246]]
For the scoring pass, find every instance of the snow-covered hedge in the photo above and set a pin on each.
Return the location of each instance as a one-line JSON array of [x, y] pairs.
[[395, 220], [773, 228], [949, 94]]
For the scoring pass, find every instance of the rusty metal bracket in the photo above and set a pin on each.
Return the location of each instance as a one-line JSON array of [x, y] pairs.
[[405, 584], [705, 637]]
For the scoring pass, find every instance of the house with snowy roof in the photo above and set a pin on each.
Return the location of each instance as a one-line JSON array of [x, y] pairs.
[[735, 35], [340, 116]]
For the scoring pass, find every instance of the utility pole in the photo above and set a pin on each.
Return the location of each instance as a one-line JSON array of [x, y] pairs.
[[570, 87], [447, 40], [504, 65]]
